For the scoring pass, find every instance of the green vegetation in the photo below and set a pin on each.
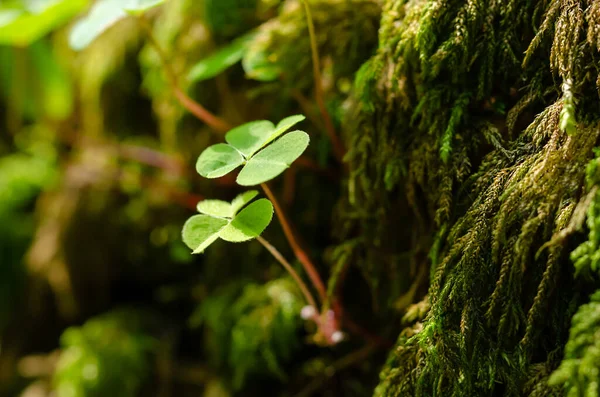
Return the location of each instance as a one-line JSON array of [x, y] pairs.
[[442, 193], [106, 354]]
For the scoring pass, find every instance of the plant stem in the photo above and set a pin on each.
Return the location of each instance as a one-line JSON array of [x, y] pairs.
[[338, 147], [277, 255], [188, 103], [300, 253], [200, 111]]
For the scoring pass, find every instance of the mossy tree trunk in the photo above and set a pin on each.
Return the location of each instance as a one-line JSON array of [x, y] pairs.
[[481, 116]]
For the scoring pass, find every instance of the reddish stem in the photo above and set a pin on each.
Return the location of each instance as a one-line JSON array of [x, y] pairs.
[[300, 253], [192, 106], [338, 146], [277, 255], [200, 112]]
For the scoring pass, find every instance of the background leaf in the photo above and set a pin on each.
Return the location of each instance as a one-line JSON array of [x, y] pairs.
[[110, 352], [218, 160], [222, 59], [258, 67], [139, 6], [57, 87], [103, 15], [44, 87], [274, 159], [200, 231], [249, 223], [22, 26], [8, 15]]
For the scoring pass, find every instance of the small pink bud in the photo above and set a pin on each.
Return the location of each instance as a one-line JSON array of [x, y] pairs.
[[337, 337], [308, 312]]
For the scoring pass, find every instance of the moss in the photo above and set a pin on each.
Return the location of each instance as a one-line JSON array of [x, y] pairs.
[[346, 35], [579, 371], [443, 117]]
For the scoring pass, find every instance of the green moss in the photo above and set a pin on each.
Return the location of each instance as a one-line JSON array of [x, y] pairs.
[[346, 34], [499, 189], [579, 372]]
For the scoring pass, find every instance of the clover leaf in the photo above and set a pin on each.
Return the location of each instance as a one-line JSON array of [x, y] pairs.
[[215, 208], [249, 223], [250, 137], [218, 160], [200, 231], [258, 146], [228, 221], [223, 209], [241, 200], [274, 159]]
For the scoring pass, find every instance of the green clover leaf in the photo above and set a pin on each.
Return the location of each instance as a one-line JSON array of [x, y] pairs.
[[274, 159], [220, 219], [223, 209], [218, 160], [249, 223], [258, 146], [200, 231]]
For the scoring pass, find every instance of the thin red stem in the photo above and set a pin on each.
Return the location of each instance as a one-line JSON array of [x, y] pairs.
[[338, 146], [188, 103], [277, 255], [200, 111], [300, 253]]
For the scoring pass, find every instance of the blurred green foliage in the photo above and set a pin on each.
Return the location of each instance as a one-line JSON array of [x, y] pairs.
[[104, 14], [24, 174], [23, 22], [108, 355], [34, 84], [225, 57], [252, 329], [84, 143]]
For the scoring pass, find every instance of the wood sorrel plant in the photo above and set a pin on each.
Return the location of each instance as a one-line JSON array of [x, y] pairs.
[[257, 146], [264, 154]]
